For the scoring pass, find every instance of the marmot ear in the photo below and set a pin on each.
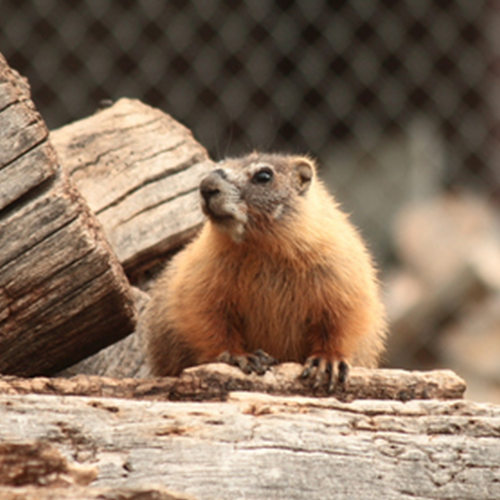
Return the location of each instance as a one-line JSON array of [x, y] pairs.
[[304, 172]]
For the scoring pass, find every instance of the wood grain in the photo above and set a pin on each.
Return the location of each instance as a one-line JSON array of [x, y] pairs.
[[139, 171], [23, 137], [89, 493], [63, 294], [123, 359], [257, 446]]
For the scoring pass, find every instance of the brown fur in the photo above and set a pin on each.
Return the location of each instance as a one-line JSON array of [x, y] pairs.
[[293, 279]]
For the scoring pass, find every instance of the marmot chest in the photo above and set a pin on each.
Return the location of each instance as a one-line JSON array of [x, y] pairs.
[[272, 302]]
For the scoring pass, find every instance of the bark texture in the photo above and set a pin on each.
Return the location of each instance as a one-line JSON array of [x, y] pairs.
[[63, 293], [216, 381], [139, 171]]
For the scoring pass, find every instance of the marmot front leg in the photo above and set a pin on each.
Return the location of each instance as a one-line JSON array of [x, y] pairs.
[[327, 365], [225, 344]]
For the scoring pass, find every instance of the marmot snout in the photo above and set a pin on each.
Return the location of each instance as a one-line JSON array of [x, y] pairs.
[[222, 203]]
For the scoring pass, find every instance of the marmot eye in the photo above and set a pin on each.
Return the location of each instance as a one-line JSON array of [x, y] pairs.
[[263, 176]]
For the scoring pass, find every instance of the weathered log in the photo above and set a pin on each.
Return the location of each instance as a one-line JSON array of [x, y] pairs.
[[257, 446], [37, 470], [216, 381], [123, 359], [63, 294], [39, 463], [23, 137], [80, 493], [139, 171]]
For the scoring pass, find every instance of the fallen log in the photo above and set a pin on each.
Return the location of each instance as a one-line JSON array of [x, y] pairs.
[[216, 381], [63, 294], [257, 446]]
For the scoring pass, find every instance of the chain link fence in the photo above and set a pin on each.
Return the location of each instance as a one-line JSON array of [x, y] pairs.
[[352, 83], [397, 99]]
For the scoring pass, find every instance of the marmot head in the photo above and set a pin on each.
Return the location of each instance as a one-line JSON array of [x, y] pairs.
[[249, 194]]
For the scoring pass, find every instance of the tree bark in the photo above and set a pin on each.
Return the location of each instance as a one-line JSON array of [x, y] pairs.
[[216, 381], [63, 294]]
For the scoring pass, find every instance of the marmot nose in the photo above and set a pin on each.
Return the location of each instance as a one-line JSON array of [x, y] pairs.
[[209, 186], [207, 192]]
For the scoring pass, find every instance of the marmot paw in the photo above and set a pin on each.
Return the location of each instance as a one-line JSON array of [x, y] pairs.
[[323, 370], [258, 362]]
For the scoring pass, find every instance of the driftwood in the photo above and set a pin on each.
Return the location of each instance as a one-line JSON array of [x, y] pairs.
[[139, 171], [257, 446], [63, 294], [216, 381]]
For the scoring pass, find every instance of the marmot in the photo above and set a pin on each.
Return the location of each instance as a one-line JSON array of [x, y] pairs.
[[278, 272]]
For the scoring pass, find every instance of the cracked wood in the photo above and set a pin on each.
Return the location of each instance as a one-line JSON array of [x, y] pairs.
[[258, 446], [63, 294], [216, 381], [139, 170]]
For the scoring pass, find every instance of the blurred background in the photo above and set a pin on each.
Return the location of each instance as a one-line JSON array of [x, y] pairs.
[[399, 100]]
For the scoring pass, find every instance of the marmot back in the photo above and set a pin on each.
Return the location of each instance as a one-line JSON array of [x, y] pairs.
[[277, 268]]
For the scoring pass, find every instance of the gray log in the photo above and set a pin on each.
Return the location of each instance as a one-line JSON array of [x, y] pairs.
[[89, 493], [257, 446], [36, 470], [63, 294], [139, 171]]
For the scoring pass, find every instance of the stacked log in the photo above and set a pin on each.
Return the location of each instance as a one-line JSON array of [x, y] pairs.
[[63, 293], [139, 171]]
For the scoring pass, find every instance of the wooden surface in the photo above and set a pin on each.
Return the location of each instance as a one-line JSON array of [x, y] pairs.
[[257, 446], [123, 359], [63, 294], [37, 470], [89, 493], [139, 171], [216, 381], [23, 136], [40, 464]]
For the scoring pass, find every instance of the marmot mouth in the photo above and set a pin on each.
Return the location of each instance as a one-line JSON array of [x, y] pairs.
[[215, 216], [226, 221], [218, 217]]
